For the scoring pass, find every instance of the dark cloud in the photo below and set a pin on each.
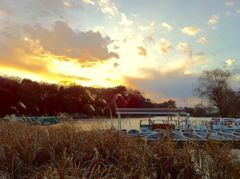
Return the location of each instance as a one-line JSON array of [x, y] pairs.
[[15, 51], [63, 41], [26, 46], [175, 85]]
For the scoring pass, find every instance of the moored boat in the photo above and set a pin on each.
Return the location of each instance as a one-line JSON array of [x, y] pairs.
[[225, 124], [156, 136], [174, 136], [228, 136], [194, 137], [179, 138], [41, 120], [203, 134], [180, 128], [133, 133]]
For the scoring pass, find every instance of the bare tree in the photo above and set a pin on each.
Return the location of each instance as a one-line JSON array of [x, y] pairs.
[[215, 86]]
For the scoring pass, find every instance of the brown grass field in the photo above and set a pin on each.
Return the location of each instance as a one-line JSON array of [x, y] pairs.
[[31, 151]]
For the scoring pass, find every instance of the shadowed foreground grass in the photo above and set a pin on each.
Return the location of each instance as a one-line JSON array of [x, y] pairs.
[[66, 152]]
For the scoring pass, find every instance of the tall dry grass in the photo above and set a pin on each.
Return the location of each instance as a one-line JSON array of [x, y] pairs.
[[28, 151]]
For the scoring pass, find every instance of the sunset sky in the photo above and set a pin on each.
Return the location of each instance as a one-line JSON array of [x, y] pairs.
[[157, 46]]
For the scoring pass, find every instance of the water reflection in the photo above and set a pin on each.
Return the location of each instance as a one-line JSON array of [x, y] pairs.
[[126, 123]]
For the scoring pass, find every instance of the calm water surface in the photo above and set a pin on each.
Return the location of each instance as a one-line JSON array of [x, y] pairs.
[[127, 123]]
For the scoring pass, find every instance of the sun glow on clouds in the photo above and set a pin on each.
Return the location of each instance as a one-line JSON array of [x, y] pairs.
[[57, 70], [20, 73], [230, 61], [107, 42], [108, 7], [89, 2], [164, 46], [98, 75], [125, 21]]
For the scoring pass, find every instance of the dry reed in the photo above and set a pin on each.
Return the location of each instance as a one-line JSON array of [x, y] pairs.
[[28, 151]]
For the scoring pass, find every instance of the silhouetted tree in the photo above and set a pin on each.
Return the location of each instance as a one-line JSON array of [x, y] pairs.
[[215, 86], [6, 102], [167, 104]]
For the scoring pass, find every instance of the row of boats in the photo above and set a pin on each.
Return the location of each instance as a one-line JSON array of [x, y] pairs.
[[181, 135], [40, 120], [219, 130]]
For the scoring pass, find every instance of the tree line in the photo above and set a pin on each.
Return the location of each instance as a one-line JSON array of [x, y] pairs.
[[27, 97]]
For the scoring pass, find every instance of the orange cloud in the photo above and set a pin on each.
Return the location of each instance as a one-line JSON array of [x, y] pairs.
[[33, 49], [142, 51], [63, 41], [192, 31], [165, 46]]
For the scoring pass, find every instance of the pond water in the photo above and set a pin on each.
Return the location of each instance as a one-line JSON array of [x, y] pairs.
[[126, 123]]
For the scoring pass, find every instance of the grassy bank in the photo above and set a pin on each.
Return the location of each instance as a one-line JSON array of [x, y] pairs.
[[65, 152]]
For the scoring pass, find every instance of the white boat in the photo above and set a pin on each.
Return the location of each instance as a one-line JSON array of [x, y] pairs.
[[225, 124], [175, 136], [216, 136], [133, 133], [123, 131], [179, 126], [237, 134], [156, 136], [232, 136], [193, 136], [201, 133], [146, 132], [139, 133], [178, 137]]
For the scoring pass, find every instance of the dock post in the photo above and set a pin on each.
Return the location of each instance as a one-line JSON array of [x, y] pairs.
[[119, 121]]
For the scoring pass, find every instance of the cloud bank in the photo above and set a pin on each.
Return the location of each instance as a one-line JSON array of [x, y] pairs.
[[33, 46]]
